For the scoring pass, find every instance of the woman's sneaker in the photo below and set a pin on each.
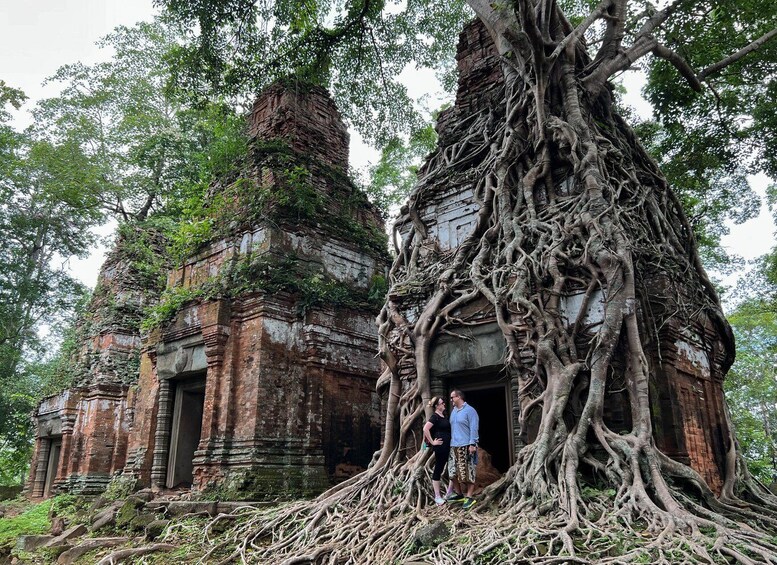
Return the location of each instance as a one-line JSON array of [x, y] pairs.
[[439, 501], [469, 503], [455, 497]]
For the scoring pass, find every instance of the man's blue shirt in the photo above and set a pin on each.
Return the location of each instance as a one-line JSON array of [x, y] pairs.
[[464, 426]]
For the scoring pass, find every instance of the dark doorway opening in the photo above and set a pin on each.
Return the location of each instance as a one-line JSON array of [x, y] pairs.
[[492, 406], [55, 448], [188, 404]]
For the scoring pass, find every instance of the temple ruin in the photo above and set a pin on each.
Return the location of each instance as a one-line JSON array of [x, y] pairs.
[[688, 360], [81, 433], [261, 380]]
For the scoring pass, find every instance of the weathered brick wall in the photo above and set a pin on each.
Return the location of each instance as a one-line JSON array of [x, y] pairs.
[[285, 396], [480, 79], [306, 117], [92, 424], [447, 203], [109, 331], [339, 260]]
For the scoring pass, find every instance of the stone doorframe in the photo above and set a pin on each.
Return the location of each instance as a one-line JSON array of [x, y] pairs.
[[52, 463], [54, 429], [49, 448], [472, 358], [198, 348], [193, 384], [174, 360]]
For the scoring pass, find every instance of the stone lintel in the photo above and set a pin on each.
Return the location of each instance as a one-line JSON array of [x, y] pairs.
[[479, 348]]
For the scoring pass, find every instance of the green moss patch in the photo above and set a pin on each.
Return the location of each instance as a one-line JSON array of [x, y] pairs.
[[33, 521]]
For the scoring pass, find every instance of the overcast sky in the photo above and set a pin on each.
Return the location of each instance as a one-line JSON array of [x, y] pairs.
[[39, 36]]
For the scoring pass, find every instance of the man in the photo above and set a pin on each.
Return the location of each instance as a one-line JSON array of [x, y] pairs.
[[462, 461]]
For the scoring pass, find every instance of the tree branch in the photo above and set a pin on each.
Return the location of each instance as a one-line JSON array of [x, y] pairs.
[[613, 35], [142, 214], [658, 18], [712, 69], [680, 64], [623, 60], [580, 30]]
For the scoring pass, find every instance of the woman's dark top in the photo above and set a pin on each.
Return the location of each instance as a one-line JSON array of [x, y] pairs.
[[441, 428]]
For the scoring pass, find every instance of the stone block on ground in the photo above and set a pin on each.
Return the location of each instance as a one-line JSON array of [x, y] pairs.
[[128, 511], [181, 507], [31, 543], [154, 529], [57, 525], [146, 495], [105, 518], [230, 506], [57, 549], [98, 502], [73, 554], [139, 522], [135, 500], [432, 534], [67, 535]]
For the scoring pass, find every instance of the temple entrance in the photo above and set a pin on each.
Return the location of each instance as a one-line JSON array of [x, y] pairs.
[[492, 405], [55, 448], [188, 404]]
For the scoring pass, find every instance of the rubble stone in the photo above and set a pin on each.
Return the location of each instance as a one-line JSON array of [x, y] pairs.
[[155, 528]]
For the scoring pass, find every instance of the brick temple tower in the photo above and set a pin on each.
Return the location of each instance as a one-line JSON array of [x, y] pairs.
[[264, 381], [687, 359], [259, 379]]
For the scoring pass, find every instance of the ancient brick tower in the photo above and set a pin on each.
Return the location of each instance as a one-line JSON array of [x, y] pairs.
[[264, 381], [260, 377], [687, 359]]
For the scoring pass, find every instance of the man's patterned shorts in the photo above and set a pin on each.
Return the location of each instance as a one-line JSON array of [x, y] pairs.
[[461, 465]]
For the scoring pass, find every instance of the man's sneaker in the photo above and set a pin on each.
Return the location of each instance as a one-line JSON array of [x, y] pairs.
[[455, 497], [469, 503], [439, 501]]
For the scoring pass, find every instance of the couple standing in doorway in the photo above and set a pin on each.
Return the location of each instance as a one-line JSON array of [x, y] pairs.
[[455, 442]]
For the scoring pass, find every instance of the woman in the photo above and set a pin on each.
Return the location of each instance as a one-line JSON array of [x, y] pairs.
[[437, 433]]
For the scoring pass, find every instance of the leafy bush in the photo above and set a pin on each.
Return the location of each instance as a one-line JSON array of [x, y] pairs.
[[168, 306]]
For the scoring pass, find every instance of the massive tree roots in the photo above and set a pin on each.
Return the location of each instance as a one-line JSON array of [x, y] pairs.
[[568, 203]]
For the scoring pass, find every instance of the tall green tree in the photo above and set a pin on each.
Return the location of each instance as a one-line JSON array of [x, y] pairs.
[[615, 226], [751, 386], [115, 144], [147, 147], [46, 212]]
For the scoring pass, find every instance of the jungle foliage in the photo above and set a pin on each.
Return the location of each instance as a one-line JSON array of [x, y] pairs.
[[116, 146]]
